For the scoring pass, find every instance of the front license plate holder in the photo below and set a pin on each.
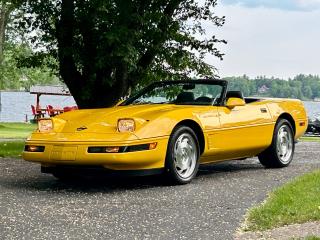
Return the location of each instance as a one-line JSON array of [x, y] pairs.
[[64, 153]]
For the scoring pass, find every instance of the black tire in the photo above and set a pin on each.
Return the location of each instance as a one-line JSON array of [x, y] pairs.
[[183, 150], [273, 156]]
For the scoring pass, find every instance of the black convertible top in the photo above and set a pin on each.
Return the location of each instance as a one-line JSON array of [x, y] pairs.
[[199, 81]]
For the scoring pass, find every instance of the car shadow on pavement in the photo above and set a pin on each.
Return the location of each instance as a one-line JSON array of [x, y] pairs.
[[231, 166], [36, 181]]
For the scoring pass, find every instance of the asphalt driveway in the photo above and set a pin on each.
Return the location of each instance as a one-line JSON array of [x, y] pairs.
[[37, 206]]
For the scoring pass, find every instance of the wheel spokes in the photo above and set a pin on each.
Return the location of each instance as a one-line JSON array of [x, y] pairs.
[[185, 155], [284, 144]]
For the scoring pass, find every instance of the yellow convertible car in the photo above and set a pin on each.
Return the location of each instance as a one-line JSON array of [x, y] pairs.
[[169, 127]]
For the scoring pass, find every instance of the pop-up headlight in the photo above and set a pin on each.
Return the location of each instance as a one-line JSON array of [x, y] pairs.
[[126, 125], [45, 125]]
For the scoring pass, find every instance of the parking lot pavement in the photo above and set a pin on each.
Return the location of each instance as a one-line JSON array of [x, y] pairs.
[[37, 206]]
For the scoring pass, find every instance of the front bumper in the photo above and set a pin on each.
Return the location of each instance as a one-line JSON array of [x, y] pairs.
[[75, 153]]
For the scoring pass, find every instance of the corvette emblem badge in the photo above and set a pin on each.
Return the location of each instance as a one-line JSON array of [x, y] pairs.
[[81, 128]]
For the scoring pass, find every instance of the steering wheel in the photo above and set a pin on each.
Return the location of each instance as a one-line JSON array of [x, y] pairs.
[[204, 99], [216, 99]]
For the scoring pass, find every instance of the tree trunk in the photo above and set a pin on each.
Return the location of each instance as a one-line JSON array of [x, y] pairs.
[[89, 87], [98, 93], [100, 97], [4, 14]]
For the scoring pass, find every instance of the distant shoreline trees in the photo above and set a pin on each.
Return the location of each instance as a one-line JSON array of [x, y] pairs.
[[304, 87]]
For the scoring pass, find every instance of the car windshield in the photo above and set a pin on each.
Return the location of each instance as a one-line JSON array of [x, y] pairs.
[[184, 93]]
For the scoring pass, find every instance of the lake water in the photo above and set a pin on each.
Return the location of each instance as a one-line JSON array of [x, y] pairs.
[[16, 106]]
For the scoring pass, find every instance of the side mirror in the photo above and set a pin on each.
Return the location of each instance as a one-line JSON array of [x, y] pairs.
[[235, 102]]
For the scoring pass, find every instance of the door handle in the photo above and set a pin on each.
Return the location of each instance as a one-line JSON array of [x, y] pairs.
[[263, 110]]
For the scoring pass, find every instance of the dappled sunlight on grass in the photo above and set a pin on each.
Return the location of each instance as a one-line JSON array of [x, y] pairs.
[[11, 149], [295, 202], [310, 139], [16, 130]]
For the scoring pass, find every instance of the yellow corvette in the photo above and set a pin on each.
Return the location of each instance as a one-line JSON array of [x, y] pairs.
[[169, 127]]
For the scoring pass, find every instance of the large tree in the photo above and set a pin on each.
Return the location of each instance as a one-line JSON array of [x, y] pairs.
[[6, 8], [106, 48]]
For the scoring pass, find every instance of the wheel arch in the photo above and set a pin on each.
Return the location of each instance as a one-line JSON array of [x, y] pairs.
[[197, 130], [289, 118]]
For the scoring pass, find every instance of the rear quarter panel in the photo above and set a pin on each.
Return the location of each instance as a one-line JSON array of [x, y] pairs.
[[294, 108]]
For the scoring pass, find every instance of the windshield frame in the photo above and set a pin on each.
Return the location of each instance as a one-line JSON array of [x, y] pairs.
[[222, 83]]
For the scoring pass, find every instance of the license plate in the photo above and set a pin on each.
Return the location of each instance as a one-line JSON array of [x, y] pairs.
[[64, 153]]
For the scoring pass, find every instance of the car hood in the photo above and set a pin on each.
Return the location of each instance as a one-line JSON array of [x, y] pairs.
[[105, 120]]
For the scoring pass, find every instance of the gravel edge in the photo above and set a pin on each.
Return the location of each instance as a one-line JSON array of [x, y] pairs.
[[286, 232]]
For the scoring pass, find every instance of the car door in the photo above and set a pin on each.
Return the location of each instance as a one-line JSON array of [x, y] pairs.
[[244, 131]]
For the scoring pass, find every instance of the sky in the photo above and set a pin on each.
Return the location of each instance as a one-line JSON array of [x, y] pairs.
[[279, 38]]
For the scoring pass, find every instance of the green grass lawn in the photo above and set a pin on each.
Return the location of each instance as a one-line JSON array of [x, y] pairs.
[[16, 130], [312, 238], [307, 238], [310, 139], [11, 149], [295, 202]]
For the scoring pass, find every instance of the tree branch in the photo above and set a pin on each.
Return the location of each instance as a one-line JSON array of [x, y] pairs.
[[151, 52]]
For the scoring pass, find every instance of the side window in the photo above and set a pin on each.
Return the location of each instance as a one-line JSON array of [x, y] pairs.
[[208, 94]]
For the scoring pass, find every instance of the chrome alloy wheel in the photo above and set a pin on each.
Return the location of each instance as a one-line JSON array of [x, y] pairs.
[[284, 144], [185, 155]]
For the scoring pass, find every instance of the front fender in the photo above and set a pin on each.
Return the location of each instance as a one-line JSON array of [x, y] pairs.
[[164, 124]]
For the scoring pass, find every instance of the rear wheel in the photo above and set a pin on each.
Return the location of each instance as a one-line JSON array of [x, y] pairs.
[[280, 153], [182, 160]]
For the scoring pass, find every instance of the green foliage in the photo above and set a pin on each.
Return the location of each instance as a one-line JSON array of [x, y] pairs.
[[17, 71], [11, 149], [16, 74], [302, 86], [295, 202], [106, 48]]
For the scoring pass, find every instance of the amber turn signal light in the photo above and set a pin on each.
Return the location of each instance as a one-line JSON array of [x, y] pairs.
[[152, 146], [112, 149], [301, 124], [122, 149], [31, 148]]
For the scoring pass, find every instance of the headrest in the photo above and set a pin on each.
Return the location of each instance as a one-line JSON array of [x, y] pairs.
[[234, 94], [185, 97]]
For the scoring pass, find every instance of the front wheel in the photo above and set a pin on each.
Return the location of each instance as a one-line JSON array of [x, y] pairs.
[[280, 153], [182, 160]]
